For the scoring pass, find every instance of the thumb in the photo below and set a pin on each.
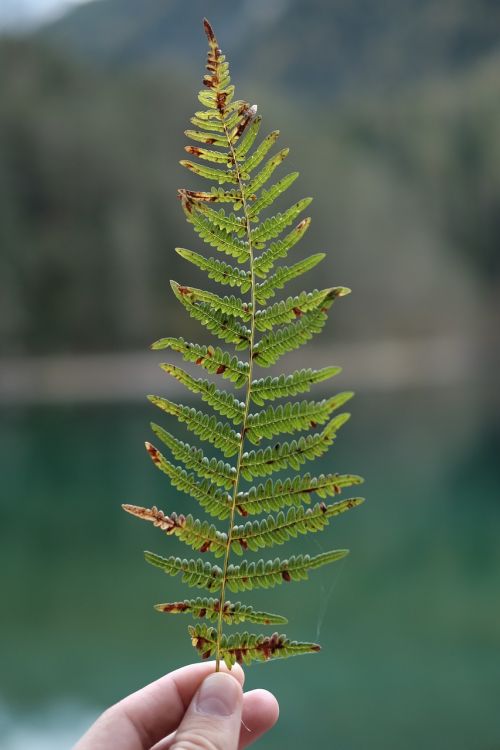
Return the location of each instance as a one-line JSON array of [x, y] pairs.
[[213, 718]]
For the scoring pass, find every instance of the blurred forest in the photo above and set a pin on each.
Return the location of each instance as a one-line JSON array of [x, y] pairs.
[[392, 114]]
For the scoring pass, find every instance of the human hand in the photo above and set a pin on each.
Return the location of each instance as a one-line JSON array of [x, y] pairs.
[[193, 707]]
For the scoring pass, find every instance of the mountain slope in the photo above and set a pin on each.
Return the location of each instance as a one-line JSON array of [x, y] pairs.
[[326, 47]]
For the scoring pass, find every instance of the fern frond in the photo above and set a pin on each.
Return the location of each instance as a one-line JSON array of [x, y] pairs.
[[214, 360], [218, 269], [259, 154], [275, 225], [290, 455], [279, 249], [228, 154], [266, 172], [283, 275], [290, 417], [243, 648], [222, 401], [209, 608], [284, 386], [274, 495], [246, 576], [292, 308], [221, 239], [268, 196], [214, 500], [228, 305], [219, 472], [205, 426], [279, 529]]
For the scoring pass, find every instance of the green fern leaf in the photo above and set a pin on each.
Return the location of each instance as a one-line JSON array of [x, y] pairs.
[[217, 269], [205, 426], [219, 472], [214, 500], [266, 289], [275, 225], [246, 576], [225, 403], [279, 249], [212, 359], [275, 495], [294, 307], [290, 455], [291, 417], [227, 153], [267, 197]]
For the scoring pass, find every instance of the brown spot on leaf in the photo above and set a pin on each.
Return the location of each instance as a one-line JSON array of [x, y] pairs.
[[193, 150], [205, 546], [221, 369], [241, 510], [202, 612], [337, 489], [322, 507], [286, 575], [154, 453], [199, 361], [297, 312], [313, 424]]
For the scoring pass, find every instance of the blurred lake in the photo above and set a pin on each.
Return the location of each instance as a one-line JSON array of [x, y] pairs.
[[409, 622]]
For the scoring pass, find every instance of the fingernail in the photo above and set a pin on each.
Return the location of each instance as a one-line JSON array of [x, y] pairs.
[[219, 695]]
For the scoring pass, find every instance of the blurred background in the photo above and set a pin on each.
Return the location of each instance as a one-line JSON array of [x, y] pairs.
[[392, 113]]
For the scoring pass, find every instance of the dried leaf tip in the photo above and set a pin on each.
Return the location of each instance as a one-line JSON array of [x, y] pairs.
[[209, 30]]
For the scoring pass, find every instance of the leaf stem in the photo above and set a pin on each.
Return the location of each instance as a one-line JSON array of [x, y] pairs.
[[222, 595]]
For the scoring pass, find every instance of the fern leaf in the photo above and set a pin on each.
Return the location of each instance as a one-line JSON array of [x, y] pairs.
[[205, 426], [267, 288], [228, 305], [279, 529], [243, 648], [291, 417], [203, 137], [216, 157], [260, 152], [294, 307], [217, 269], [222, 240], [285, 455], [229, 156], [222, 401], [275, 495], [279, 249], [214, 360], [209, 173], [267, 170], [209, 608], [220, 220], [267, 197], [300, 381], [199, 535], [214, 500], [246, 576], [246, 143], [219, 472], [275, 225]]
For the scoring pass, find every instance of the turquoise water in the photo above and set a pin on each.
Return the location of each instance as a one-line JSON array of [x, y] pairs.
[[409, 622]]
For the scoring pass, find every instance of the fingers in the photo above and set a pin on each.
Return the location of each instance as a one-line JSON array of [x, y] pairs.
[[260, 713], [213, 719], [145, 717]]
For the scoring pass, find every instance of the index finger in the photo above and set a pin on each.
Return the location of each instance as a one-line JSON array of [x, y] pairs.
[[146, 716]]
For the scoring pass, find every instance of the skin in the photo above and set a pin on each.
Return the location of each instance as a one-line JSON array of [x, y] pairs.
[[193, 708]]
